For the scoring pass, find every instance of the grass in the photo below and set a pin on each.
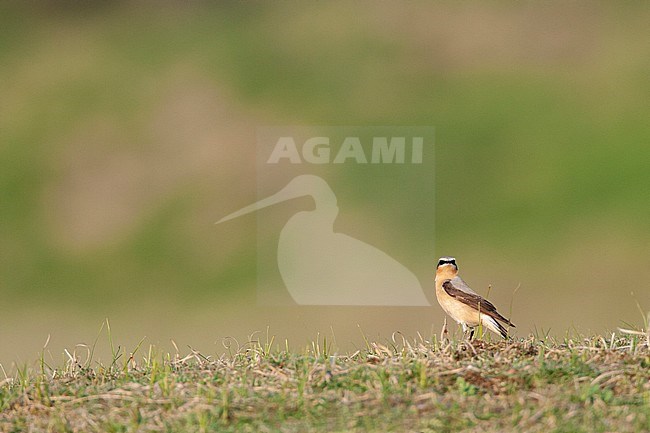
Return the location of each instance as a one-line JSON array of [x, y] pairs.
[[595, 384]]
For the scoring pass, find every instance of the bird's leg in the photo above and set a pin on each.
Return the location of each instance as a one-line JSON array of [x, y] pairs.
[[444, 334], [465, 329]]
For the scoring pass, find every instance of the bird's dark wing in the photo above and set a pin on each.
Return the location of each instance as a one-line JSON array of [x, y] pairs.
[[475, 301]]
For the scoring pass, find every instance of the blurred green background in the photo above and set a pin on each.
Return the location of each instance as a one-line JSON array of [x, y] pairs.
[[128, 128]]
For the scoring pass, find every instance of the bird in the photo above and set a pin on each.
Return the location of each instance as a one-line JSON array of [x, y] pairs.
[[464, 305], [320, 266]]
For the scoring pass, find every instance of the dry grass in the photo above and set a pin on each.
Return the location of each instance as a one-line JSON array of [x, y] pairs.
[[596, 384]]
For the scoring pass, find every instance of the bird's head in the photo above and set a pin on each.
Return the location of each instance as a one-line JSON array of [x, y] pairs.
[[447, 265], [443, 261]]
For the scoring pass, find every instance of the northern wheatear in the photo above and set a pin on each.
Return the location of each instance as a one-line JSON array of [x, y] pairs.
[[463, 304]]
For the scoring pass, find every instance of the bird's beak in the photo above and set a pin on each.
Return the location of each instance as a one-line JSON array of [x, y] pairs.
[[283, 195]]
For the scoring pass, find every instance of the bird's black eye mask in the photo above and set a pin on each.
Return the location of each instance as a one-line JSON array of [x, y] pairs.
[[447, 262]]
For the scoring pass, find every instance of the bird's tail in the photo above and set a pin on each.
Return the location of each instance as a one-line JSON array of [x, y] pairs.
[[494, 326]]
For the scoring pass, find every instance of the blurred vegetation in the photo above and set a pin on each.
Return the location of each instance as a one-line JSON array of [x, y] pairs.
[[127, 128]]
